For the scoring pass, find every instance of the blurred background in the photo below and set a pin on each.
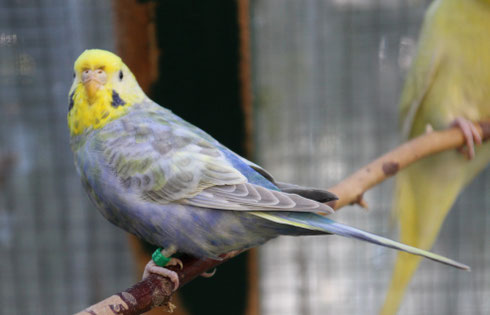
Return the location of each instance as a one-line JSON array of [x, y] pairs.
[[306, 88]]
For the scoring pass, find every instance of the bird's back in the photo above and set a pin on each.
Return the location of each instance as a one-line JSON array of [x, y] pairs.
[[452, 61]]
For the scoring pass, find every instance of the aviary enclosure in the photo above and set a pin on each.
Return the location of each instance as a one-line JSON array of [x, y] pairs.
[[306, 88]]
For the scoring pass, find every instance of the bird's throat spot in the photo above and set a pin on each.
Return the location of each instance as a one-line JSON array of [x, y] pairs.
[[116, 100]]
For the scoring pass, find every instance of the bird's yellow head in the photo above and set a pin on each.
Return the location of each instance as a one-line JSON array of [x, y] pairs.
[[103, 89]]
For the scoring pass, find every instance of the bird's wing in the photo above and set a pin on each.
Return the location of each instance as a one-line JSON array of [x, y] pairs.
[[250, 197], [163, 161], [316, 194]]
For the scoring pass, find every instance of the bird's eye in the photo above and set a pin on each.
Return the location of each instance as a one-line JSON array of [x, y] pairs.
[[74, 75], [121, 75]]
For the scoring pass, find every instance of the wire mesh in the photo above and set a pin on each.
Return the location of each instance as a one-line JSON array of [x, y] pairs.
[[327, 78], [57, 254]]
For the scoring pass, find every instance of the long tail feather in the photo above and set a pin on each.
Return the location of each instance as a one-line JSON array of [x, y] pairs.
[[311, 221]]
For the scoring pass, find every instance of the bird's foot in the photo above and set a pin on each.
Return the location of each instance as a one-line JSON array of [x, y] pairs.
[[151, 267], [158, 265], [471, 136], [223, 257]]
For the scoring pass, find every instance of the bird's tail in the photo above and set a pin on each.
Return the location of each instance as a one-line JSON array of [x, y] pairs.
[[315, 222]]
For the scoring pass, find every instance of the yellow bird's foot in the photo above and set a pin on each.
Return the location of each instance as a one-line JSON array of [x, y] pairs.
[[151, 267], [471, 135]]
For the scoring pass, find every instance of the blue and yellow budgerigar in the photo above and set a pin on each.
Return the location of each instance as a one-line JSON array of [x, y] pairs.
[[449, 83], [170, 183]]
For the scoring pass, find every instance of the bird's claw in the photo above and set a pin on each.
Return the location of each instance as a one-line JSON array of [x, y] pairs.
[[231, 254], [151, 267], [175, 262], [208, 274], [471, 136]]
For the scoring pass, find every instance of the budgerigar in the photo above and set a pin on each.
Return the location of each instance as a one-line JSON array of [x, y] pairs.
[[449, 83], [171, 184]]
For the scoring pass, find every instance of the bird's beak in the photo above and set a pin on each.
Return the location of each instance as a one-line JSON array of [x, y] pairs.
[[93, 80], [92, 87]]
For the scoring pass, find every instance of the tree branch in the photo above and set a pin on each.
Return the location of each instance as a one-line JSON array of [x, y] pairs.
[[351, 189], [154, 290], [157, 291]]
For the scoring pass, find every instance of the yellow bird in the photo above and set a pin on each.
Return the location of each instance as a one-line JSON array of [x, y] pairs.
[[448, 84]]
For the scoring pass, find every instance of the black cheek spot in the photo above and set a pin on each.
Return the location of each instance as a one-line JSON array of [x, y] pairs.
[[121, 76], [71, 101], [116, 100]]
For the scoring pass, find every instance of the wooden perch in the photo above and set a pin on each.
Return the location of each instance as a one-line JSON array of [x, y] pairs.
[[153, 291], [156, 290], [351, 189]]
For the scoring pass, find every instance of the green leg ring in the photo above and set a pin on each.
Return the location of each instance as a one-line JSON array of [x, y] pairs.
[[159, 259]]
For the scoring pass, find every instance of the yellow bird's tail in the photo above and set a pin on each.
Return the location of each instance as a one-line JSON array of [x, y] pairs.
[[424, 194]]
